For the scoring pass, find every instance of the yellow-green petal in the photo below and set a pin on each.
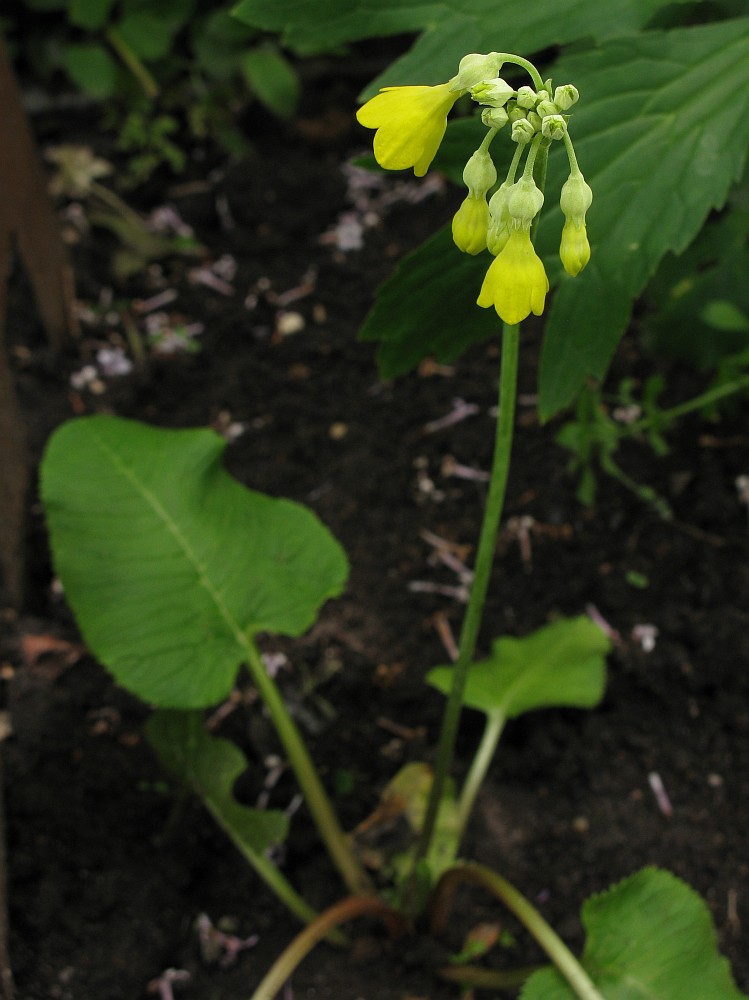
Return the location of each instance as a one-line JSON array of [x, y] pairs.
[[410, 123], [516, 282]]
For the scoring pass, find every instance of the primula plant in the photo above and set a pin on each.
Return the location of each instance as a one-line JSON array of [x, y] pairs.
[[175, 577]]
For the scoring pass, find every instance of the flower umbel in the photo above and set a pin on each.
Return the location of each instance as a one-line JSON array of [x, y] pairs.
[[516, 282], [410, 123]]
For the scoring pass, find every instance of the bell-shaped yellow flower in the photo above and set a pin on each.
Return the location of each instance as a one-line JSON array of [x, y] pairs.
[[516, 282], [471, 224], [410, 123], [574, 249]]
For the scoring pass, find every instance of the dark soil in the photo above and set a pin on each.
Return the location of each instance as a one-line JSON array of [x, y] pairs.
[[109, 870]]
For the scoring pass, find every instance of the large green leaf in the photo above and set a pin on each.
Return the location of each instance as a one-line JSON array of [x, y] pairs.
[[651, 937], [451, 27], [170, 564], [209, 767], [561, 664]]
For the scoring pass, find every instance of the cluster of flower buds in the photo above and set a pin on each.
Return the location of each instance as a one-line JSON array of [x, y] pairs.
[[410, 124]]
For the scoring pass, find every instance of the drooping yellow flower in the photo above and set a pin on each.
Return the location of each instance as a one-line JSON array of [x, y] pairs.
[[410, 123], [516, 282], [574, 249], [471, 224]]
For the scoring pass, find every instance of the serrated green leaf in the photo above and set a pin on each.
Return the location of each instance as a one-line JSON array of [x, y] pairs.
[[661, 134], [90, 14], [209, 767], [92, 68], [272, 79], [651, 937], [561, 664], [451, 27], [170, 564]]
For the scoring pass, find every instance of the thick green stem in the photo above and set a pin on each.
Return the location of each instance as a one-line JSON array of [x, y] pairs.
[[495, 723], [317, 800], [482, 573], [527, 914], [303, 943]]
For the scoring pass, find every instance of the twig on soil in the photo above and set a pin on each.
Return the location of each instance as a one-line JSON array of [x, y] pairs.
[[661, 796], [459, 412], [595, 616], [520, 528], [163, 984], [442, 627], [217, 945], [450, 467]]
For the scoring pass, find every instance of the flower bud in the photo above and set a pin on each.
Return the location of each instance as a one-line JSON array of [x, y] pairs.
[[527, 98], [494, 117], [575, 199], [554, 127], [479, 174], [574, 249], [546, 107], [522, 131], [514, 113], [524, 202], [496, 93], [535, 121], [471, 224], [566, 96], [474, 68]]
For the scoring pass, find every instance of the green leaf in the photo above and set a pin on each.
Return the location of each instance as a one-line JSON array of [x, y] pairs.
[[451, 27], [147, 34], [272, 79], [651, 937], [661, 134], [428, 307], [92, 68], [209, 767], [561, 664], [90, 14], [169, 564]]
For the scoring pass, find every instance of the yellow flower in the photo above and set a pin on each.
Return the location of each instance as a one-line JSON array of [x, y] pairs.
[[471, 224], [574, 249], [516, 282], [410, 123]]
